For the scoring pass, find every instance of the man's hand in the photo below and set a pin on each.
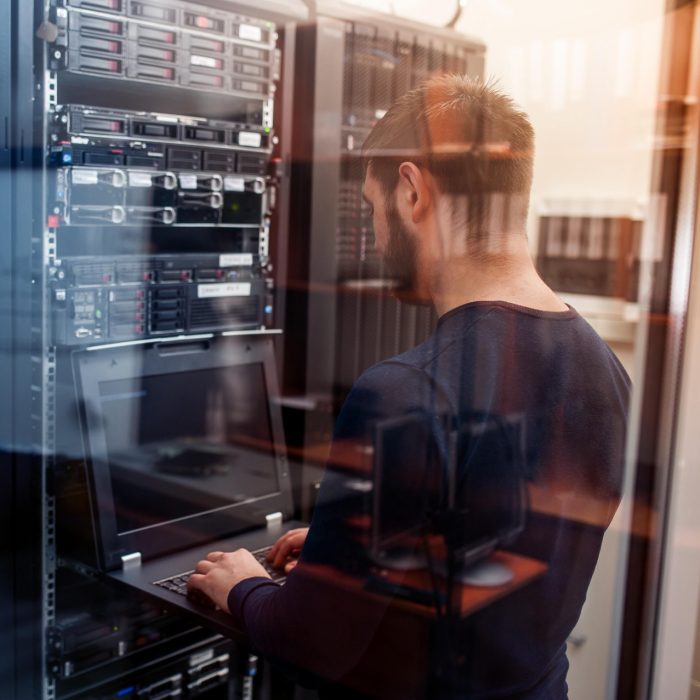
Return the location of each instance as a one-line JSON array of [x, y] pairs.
[[285, 552], [220, 572]]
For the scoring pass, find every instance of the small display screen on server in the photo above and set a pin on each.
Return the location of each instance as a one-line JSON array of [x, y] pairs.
[[187, 443]]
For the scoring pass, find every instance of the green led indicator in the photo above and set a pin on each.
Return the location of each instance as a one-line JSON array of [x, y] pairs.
[[267, 130], [98, 313]]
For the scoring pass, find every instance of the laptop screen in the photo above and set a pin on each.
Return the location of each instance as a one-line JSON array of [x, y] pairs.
[[187, 443], [184, 443]]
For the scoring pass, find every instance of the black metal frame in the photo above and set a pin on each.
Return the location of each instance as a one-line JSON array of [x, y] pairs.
[[8, 456], [321, 53], [21, 480]]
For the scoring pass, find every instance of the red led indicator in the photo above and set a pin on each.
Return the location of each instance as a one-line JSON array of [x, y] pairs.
[[203, 22], [114, 65], [115, 27], [185, 275], [117, 151], [219, 273], [138, 329], [106, 278], [114, 46], [53, 221], [140, 294], [169, 38]]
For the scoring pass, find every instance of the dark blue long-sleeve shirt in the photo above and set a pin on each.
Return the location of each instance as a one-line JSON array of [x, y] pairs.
[[570, 394]]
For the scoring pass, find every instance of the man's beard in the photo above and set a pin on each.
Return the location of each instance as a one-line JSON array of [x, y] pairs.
[[400, 257]]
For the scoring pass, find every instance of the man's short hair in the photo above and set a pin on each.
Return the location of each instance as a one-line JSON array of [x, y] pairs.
[[470, 136]]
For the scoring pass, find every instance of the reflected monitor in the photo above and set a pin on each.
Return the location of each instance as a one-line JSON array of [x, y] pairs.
[[487, 498], [402, 479]]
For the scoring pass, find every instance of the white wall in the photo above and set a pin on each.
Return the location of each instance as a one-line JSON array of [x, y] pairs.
[[587, 74]]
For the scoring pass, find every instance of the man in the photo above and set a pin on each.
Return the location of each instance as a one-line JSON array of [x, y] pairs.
[[448, 177]]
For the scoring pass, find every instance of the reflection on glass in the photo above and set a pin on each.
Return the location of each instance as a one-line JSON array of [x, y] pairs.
[[187, 443]]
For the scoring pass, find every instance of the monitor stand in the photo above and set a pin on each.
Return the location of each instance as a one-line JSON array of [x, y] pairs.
[[400, 559], [485, 573]]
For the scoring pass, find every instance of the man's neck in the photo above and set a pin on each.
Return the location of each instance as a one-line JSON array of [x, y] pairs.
[[507, 274]]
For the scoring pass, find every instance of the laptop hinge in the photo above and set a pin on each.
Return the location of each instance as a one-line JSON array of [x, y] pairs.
[[131, 561], [274, 520]]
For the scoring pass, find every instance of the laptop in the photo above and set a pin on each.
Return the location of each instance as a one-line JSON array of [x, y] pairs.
[[185, 455]]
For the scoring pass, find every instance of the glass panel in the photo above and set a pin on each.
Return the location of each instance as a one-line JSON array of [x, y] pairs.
[[346, 348]]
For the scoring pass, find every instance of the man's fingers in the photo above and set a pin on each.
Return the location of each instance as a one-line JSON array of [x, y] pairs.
[[275, 547], [298, 535], [282, 553], [214, 556], [290, 565], [196, 581], [288, 545], [204, 566], [288, 548]]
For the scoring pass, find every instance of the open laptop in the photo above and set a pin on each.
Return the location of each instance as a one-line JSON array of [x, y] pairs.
[[185, 453]]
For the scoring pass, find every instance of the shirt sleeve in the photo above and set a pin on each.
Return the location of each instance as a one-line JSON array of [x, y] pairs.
[[306, 622]]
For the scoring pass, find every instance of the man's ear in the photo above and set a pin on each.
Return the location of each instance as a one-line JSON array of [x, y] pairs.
[[415, 189]]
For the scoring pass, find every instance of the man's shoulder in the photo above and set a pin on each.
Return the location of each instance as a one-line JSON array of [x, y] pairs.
[[392, 373], [387, 389]]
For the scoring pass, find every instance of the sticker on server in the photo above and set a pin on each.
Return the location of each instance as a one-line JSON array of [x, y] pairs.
[[233, 289], [188, 182], [84, 177], [249, 32], [249, 138], [236, 260], [202, 657], [205, 61], [234, 184], [140, 180]]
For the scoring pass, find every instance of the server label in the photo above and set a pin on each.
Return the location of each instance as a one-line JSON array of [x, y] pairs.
[[249, 32], [236, 260], [188, 182], [248, 138], [204, 61], [140, 179], [234, 184], [84, 177], [234, 289]]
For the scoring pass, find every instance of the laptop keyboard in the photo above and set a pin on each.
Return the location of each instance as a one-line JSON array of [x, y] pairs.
[[178, 583]]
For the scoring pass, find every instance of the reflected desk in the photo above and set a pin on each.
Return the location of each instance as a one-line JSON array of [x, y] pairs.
[[396, 661], [162, 480], [392, 647], [558, 501]]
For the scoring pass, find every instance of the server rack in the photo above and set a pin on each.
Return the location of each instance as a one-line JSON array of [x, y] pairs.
[[86, 250], [341, 316], [71, 188]]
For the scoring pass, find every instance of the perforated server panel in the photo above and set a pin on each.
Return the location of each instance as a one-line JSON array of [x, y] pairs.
[[122, 180], [361, 62]]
